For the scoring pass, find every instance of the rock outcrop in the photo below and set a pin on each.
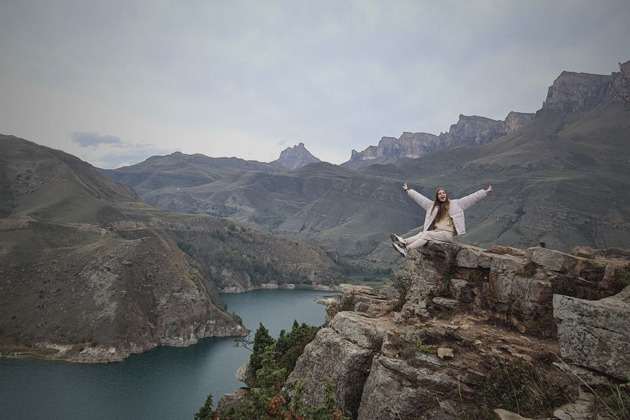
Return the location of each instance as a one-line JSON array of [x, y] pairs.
[[573, 92], [462, 313], [595, 334], [578, 92], [393, 150], [469, 131], [296, 157], [344, 352]]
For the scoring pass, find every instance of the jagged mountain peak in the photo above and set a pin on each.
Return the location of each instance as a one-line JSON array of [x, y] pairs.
[[571, 92], [296, 157], [577, 92], [469, 131]]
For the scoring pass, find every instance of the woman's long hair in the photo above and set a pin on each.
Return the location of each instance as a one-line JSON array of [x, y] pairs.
[[442, 207]]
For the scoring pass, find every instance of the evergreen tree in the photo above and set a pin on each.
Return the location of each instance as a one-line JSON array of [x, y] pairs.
[[206, 412], [262, 340], [290, 346], [271, 362]]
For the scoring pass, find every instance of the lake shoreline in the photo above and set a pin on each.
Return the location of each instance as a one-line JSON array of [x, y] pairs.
[[166, 383], [83, 353], [280, 286]]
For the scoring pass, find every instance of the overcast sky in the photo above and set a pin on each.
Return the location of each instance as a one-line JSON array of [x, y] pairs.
[[114, 82]]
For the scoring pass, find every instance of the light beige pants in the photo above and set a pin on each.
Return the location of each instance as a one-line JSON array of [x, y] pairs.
[[422, 238]]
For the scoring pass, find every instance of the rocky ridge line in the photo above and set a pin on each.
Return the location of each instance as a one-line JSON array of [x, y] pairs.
[[571, 92], [469, 131]]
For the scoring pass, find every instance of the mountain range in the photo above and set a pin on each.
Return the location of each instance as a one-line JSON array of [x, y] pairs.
[[469, 131], [560, 176]]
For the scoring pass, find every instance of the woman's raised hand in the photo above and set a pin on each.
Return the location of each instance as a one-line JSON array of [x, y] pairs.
[[405, 187], [489, 189]]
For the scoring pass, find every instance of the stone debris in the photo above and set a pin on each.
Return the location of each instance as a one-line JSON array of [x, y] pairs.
[[444, 352]]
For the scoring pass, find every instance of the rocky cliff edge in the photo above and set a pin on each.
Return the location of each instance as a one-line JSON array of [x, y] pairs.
[[459, 317]]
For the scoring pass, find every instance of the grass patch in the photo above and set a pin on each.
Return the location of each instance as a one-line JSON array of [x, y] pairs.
[[614, 403], [624, 278], [422, 348], [520, 388]]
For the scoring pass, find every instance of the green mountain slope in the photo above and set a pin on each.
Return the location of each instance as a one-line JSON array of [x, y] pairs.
[[562, 178], [88, 272]]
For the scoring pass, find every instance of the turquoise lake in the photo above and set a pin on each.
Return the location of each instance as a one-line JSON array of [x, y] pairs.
[[166, 383]]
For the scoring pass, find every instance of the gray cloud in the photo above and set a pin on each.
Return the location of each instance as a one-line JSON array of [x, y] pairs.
[[88, 139], [129, 155], [243, 78], [107, 151]]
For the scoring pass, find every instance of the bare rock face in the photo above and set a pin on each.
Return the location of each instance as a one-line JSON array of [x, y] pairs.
[[466, 311], [572, 92], [416, 384], [235, 400], [469, 131], [342, 354], [516, 286], [575, 92], [595, 334], [475, 131], [517, 120], [392, 150], [360, 299], [296, 157]]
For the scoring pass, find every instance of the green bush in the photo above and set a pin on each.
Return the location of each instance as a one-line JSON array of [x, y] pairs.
[[187, 248], [217, 235], [271, 362], [259, 271]]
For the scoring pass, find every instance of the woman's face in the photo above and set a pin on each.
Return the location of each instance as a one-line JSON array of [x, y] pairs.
[[441, 195]]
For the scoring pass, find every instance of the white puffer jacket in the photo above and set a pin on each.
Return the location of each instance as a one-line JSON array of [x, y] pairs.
[[456, 208]]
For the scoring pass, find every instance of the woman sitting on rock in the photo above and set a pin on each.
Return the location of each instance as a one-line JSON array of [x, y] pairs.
[[444, 218]]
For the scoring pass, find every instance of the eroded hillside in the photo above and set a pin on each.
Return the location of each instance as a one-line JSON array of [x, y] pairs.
[[90, 273]]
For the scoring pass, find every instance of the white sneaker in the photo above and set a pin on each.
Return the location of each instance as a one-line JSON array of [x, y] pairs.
[[398, 240], [401, 251]]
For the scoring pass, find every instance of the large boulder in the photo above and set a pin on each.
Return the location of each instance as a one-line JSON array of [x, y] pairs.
[[342, 354], [595, 334], [415, 382], [516, 286]]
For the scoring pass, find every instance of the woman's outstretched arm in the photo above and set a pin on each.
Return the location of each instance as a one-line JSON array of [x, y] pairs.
[[420, 199], [471, 199]]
